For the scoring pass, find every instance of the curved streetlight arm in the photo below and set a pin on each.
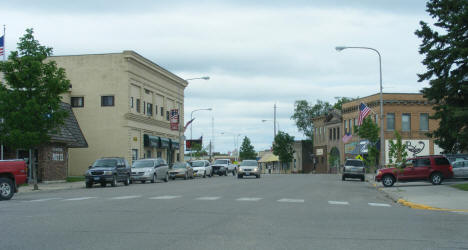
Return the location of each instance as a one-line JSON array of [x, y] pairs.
[[191, 118]]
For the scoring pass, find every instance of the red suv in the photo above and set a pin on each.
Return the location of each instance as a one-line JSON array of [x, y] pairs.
[[434, 168]]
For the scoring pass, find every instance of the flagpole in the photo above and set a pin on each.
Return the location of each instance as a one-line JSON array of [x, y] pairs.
[[4, 52]]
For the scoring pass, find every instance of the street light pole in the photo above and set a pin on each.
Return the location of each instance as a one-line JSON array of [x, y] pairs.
[[382, 139], [191, 118]]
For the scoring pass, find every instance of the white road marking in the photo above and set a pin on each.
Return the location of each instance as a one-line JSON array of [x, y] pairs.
[[379, 204], [79, 199], [338, 202], [291, 200], [249, 199], [46, 199], [165, 197], [125, 197], [208, 198]]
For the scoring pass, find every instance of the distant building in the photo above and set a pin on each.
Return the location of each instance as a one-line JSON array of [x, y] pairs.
[[327, 142], [122, 102], [303, 157]]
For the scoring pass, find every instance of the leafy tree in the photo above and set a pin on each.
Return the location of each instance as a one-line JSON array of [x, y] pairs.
[[30, 96], [398, 152], [304, 113], [340, 100], [446, 60], [247, 150], [283, 147], [199, 150], [370, 131]]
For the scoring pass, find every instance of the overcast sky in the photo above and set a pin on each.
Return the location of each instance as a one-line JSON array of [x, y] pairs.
[[257, 53]]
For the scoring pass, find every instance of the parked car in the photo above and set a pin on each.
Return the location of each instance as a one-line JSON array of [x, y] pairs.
[[181, 170], [460, 169], [12, 174], [456, 157], [225, 166], [149, 170], [108, 170], [202, 168], [354, 168], [248, 168], [434, 168]]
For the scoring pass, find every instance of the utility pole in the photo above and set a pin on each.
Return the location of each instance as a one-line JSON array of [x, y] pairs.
[[274, 122]]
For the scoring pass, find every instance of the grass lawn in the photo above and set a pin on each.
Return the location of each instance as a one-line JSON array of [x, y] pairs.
[[75, 178], [461, 186]]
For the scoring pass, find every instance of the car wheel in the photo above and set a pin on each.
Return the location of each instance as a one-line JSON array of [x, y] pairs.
[[167, 178], [127, 181], [103, 184], [114, 181], [204, 174], [7, 190], [343, 178], [143, 182], [388, 181], [436, 178], [258, 176], [239, 176], [153, 180], [225, 173], [89, 184], [363, 178]]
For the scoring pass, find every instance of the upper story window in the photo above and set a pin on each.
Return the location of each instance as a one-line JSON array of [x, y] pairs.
[[162, 111], [406, 122], [424, 122], [144, 107], [167, 115], [337, 133], [107, 101], [138, 105], [330, 134], [390, 121], [149, 109], [131, 102], [345, 126], [77, 102]]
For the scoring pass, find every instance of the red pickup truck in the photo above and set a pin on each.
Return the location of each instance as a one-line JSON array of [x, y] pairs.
[[12, 174]]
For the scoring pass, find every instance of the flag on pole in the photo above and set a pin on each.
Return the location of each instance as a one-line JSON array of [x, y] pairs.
[[188, 123], [363, 112], [2, 45], [347, 137]]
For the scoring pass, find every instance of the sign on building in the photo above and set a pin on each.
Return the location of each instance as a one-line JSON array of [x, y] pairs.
[[413, 148], [174, 119]]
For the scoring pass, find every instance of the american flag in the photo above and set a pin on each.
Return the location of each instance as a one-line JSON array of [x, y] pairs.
[[347, 137], [2, 45], [363, 112]]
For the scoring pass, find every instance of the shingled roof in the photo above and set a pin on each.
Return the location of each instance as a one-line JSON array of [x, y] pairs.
[[70, 132]]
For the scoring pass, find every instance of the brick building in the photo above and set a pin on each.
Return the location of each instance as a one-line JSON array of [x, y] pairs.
[[327, 142]]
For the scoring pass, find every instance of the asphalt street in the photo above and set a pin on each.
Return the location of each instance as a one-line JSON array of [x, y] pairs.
[[273, 212]]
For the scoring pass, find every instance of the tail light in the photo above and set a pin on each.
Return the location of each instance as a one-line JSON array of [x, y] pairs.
[[451, 168]]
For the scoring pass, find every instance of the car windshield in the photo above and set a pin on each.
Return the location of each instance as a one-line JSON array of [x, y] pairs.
[[354, 163], [179, 165], [198, 164], [221, 162], [143, 164], [248, 163], [105, 163]]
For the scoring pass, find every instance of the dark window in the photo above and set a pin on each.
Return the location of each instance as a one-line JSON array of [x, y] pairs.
[[441, 161], [159, 154], [167, 115], [138, 105], [131, 102], [107, 100], [144, 107], [155, 109], [178, 157], [149, 109], [147, 92], [337, 133], [390, 121], [422, 162], [424, 122], [77, 102], [330, 134], [162, 111]]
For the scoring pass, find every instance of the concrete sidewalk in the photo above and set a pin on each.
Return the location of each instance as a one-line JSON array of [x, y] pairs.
[[424, 195], [51, 186]]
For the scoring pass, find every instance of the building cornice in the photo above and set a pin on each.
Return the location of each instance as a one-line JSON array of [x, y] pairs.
[[147, 120]]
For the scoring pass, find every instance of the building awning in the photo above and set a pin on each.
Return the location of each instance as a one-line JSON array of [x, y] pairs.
[[175, 145], [164, 142], [150, 141], [270, 157]]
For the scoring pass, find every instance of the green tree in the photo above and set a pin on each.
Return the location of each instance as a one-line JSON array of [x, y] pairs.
[[446, 59], [340, 100], [30, 96], [304, 113], [199, 150], [283, 147], [370, 131], [247, 151], [397, 152]]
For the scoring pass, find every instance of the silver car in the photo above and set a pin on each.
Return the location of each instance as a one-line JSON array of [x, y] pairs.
[[460, 169], [354, 168], [248, 168], [149, 170], [181, 170]]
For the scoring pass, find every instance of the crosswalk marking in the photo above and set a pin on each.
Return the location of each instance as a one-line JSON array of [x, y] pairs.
[[291, 200], [338, 202], [165, 197], [209, 198], [46, 199], [79, 198], [249, 199], [125, 197], [379, 204]]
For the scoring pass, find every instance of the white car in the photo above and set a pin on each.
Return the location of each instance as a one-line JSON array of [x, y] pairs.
[[460, 169], [202, 168]]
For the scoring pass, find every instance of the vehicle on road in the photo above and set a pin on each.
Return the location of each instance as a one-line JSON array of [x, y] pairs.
[[12, 174], [434, 168], [181, 170], [460, 169], [248, 168], [202, 168], [456, 157], [354, 168], [226, 166], [108, 170], [149, 170]]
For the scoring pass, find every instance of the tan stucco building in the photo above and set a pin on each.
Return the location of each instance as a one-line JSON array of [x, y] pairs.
[[122, 102]]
